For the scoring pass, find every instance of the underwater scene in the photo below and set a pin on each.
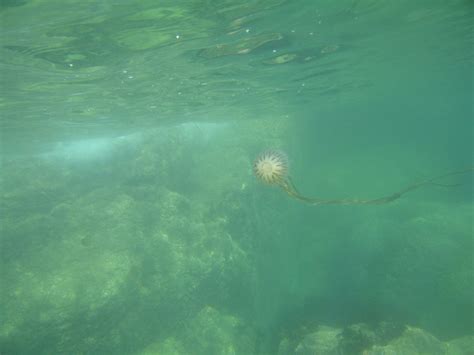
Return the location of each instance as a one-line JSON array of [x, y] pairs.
[[217, 177]]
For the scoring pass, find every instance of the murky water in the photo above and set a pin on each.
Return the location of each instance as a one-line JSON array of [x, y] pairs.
[[131, 219]]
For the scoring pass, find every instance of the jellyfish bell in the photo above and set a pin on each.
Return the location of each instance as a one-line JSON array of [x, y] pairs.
[[271, 167]]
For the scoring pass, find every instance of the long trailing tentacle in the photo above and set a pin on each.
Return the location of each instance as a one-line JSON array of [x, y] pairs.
[[288, 186]]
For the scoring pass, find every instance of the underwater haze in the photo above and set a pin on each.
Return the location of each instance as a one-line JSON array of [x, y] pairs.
[[138, 214]]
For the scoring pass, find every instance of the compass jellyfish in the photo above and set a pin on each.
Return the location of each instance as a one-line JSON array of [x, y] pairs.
[[272, 168]]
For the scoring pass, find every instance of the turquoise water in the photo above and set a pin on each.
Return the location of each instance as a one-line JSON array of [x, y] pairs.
[[131, 219]]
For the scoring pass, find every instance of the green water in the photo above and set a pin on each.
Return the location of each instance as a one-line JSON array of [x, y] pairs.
[[131, 220]]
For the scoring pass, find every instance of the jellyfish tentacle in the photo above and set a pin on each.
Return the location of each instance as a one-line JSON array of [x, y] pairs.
[[288, 186]]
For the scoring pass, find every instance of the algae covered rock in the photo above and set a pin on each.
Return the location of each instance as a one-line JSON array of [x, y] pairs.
[[122, 248], [169, 346], [461, 346], [413, 341], [213, 332], [357, 337], [209, 332], [325, 341], [71, 278], [383, 339], [59, 290]]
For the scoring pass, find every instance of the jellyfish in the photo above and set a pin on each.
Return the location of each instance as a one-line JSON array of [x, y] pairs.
[[271, 167]]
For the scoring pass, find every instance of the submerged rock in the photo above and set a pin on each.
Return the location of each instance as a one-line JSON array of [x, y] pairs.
[[413, 341], [209, 332], [384, 339], [461, 346], [112, 253], [325, 341], [357, 337], [214, 332]]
